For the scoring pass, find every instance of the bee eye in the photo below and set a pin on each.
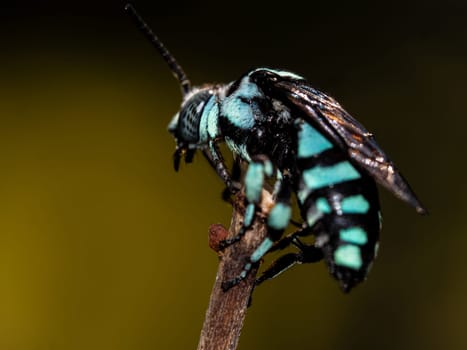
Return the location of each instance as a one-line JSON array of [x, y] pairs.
[[190, 116]]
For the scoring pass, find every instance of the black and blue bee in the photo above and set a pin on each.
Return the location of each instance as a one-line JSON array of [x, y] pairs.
[[287, 131]]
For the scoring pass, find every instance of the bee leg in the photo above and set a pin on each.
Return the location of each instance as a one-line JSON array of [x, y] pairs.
[[307, 254], [290, 239], [277, 221], [215, 159], [259, 167], [235, 176], [278, 266], [277, 187]]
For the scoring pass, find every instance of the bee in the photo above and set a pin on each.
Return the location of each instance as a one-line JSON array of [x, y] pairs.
[[284, 129]]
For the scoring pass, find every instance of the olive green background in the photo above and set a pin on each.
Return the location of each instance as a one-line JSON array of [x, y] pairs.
[[104, 246]]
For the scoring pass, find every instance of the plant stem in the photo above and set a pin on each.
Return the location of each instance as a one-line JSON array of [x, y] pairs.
[[227, 310]]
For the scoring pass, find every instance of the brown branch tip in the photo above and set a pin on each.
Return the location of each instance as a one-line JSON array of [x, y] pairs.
[[227, 310]]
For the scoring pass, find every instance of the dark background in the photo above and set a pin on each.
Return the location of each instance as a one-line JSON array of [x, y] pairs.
[[103, 246]]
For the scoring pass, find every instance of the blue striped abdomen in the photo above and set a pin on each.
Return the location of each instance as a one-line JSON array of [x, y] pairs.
[[339, 202]]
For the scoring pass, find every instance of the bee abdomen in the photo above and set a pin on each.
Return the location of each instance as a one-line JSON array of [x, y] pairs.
[[340, 203]]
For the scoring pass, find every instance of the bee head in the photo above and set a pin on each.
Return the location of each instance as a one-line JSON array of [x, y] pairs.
[[185, 125]]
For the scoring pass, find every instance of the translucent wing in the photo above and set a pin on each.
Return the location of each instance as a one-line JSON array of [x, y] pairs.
[[330, 118]]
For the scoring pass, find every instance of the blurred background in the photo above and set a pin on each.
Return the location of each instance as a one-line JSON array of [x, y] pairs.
[[104, 246]]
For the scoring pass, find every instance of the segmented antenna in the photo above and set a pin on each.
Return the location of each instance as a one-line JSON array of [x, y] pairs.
[[173, 64]]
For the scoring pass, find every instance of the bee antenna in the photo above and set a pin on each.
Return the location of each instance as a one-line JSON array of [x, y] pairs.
[[171, 61]]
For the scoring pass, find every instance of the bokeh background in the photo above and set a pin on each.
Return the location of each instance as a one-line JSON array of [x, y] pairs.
[[104, 246]]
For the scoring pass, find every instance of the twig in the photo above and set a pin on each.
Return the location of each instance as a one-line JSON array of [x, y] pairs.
[[227, 310]]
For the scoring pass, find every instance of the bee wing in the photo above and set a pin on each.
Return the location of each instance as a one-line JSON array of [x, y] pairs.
[[347, 133]]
